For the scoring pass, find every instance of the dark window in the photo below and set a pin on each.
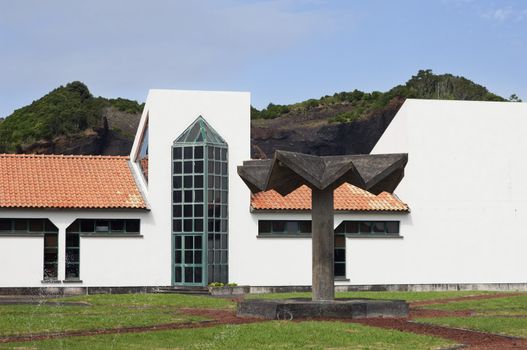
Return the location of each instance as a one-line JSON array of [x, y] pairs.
[[6, 225], [291, 227], [369, 228]]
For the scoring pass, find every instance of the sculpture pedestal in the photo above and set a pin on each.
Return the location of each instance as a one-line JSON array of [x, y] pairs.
[[298, 308]]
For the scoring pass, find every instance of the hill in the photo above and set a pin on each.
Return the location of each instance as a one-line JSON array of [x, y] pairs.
[[70, 120]]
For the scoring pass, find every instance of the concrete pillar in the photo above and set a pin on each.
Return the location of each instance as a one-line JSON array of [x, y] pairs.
[[62, 253], [323, 283]]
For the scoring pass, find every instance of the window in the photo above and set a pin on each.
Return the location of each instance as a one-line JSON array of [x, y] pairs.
[[368, 228], [105, 226], [142, 154], [284, 227]]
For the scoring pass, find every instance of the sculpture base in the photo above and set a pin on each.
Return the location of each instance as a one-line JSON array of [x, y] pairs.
[[289, 309]]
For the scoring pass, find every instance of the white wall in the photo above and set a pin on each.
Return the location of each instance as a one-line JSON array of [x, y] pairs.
[[276, 261], [104, 261], [465, 183]]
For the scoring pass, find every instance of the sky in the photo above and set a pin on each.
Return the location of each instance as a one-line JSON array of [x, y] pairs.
[[282, 51]]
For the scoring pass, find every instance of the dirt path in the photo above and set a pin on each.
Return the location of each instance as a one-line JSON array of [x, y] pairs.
[[472, 339]]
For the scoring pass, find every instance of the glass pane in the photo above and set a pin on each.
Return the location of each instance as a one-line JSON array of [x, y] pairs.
[[197, 275], [340, 241], [21, 225], [117, 225], [36, 225], [187, 181], [177, 153], [198, 225], [223, 274], [187, 225], [72, 240], [211, 152], [5, 225], [291, 227], [197, 242], [365, 227], [224, 241], [378, 227], [187, 152], [223, 225], [188, 197], [187, 211], [198, 152], [189, 257], [198, 210], [177, 276], [187, 167], [72, 271], [340, 255], [304, 226], [87, 225], [198, 196], [352, 227], [223, 154], [177, 197], [177, 242], [176, 209], [278, 226], [188, 275], [50, 240], [189, 242], [198, 181], [132, 226], [224, 168], [176, 225], [197, 256], [178, 257], [177, 182], [392, 227], [198, 166], [102, 226], [178, 168], [223, 256], [340, 270]]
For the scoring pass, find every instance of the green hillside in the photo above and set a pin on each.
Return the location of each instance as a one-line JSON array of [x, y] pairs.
[[65, 111], [424, 85]]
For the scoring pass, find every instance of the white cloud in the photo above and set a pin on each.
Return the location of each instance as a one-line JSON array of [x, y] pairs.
[[505, 14]]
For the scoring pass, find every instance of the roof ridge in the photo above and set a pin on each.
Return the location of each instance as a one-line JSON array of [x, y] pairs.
[[67, 156]]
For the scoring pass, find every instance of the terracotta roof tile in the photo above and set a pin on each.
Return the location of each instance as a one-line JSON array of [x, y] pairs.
[[57, 181], [347, 198]]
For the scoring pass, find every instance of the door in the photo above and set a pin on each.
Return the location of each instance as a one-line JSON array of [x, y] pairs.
[[188, 260]]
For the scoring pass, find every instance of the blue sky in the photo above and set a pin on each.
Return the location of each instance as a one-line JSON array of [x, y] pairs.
[[280, 51]]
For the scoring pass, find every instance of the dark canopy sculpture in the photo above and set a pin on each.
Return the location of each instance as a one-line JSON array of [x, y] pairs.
[[288, 170]]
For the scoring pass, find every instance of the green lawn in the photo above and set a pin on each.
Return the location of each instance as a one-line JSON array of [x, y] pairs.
[[408, 296], [104, 311], [266, 335], [497, 325], [510, 306]]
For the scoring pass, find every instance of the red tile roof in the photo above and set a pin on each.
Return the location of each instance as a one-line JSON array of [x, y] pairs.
[[346, 198], [57, 181]]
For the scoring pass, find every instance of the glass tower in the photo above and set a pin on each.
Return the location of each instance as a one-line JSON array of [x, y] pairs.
[[200, 206]]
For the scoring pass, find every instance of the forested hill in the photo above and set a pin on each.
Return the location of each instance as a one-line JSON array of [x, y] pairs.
[[70, 120]]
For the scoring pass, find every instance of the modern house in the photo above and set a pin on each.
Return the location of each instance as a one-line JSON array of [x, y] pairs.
[[176, 213]]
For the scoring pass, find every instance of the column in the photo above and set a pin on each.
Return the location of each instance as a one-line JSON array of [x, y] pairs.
[[323, 283]]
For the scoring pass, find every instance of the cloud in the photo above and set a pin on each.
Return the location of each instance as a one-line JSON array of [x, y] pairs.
[[505, 14]]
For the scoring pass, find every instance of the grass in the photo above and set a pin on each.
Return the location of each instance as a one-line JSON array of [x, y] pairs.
[[104, 311], [506, 316], [497, 325], [408, 296], [510, 306], [267, 335]]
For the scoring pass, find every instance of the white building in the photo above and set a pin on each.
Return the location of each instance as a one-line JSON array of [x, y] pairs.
[[176, 213]]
